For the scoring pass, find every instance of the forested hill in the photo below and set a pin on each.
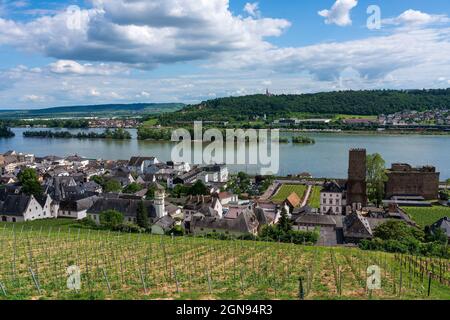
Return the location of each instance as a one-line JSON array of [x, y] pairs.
[[95, 110], [342, 102]]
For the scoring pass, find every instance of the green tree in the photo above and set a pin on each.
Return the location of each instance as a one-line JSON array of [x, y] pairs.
[[376, 177], [111, 219], [132, 188], [198, 189], [99, 180], [142, 216], [29, 181], [112, 186], [398, 230], [284, 224]]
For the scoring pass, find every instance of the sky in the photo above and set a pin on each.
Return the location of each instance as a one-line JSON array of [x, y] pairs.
[[59, 53]]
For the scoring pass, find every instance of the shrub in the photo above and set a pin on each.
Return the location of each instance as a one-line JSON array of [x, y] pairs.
[[111, 219]]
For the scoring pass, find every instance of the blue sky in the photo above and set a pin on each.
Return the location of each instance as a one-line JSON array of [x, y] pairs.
[[121, 51]]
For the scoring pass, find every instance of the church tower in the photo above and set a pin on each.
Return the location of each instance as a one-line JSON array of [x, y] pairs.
[[160, 195]]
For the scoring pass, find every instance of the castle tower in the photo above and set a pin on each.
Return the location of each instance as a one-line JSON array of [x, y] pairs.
[[158, 203], [356, 184]]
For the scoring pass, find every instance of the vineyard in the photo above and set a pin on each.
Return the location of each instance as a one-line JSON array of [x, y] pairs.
[[34, 262]]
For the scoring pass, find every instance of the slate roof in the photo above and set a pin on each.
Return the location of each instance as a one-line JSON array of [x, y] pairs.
[[15, 205], [332, 187], [166, 223], [356, 226], [443, 224], [128, 207], [78, 205], [137, 161], [246, 223], [315, 220]]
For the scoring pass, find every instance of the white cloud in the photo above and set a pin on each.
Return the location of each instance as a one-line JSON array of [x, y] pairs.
[[252, 9], [416, 18], [339, 13], [142, 33], [33, 98], [73, 67]]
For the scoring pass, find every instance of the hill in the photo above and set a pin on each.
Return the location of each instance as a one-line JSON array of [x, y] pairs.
[[141, 266], [93, 110], [368, 103]]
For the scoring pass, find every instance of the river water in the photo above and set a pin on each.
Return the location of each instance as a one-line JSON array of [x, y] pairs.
[[327, 158]]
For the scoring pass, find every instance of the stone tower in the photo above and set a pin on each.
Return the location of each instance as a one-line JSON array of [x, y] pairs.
[[356, 183], [158, 203]]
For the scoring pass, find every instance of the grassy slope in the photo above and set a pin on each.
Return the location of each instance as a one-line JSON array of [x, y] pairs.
[[286, 190], [314, 199], [427, 216], [153, 267]]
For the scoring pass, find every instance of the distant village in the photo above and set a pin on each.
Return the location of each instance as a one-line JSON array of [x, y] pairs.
[[72, 188], [437, 119]]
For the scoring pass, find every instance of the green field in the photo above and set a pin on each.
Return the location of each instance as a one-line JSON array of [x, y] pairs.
[[427, 216], [314, 198], [33, 265], [286, 190]]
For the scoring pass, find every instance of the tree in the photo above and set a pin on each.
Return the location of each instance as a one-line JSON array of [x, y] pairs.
[[284, 224], [398, 230], [132, 188], [198, 189], [376, 177], [29, 181], [142, 215], [180, 190], [111, 219], [112, 186]]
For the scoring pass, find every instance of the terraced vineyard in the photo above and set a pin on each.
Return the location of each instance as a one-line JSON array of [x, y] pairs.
[[34, 262]]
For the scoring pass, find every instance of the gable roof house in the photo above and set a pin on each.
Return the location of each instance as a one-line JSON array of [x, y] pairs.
[[443, 224], [207, 205], [163, 225], [139, 164], [356, 228], [128, 207], [19, 208], [245, 224], [292, 202], [76, 209]]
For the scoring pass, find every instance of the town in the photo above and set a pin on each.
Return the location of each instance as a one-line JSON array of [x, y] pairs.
[[177, 198]]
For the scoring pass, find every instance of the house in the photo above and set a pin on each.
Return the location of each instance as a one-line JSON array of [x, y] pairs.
[[245, 224], [443, 224], [226, 198], [234, 211], [188, 177], [356, 228], [207, 205], [217, 170], [163, 225], [139, 164], [129, 207], [21, 207], [330, 233], [77, 161], [332, 198], [76, 209], [292, 202]]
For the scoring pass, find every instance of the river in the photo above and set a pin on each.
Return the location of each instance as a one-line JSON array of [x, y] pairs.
[[327, 158]]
